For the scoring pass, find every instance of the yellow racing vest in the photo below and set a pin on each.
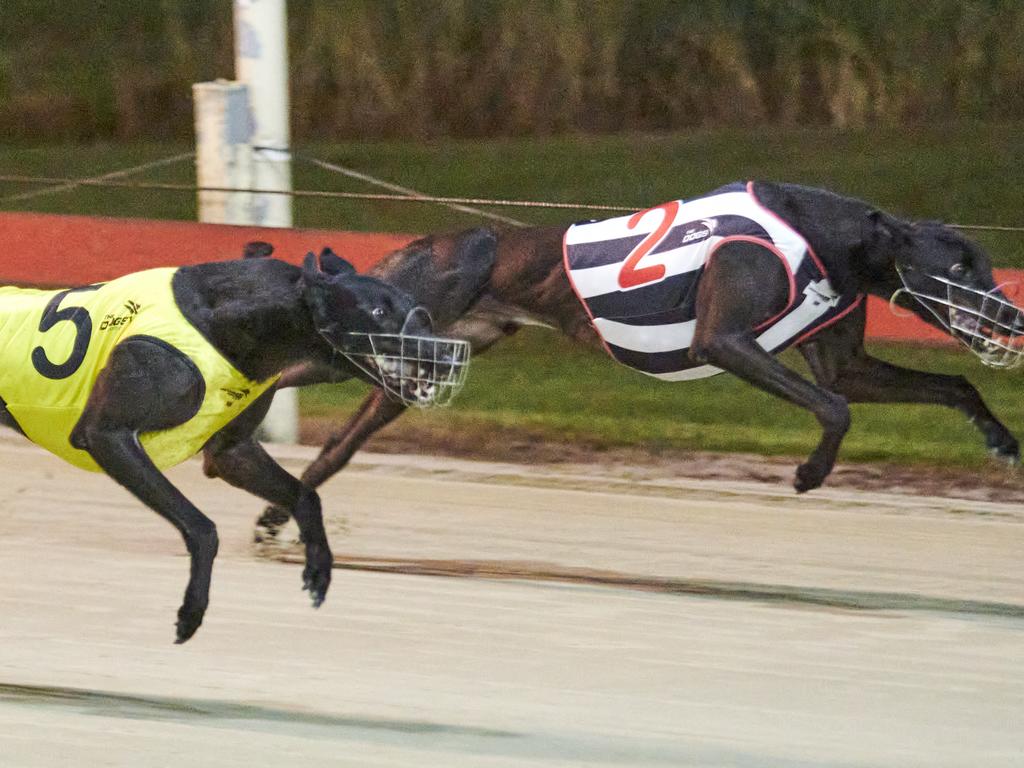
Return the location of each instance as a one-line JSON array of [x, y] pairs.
[[53, 345]]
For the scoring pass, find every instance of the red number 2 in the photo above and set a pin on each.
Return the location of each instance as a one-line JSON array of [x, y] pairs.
[[631, 276]]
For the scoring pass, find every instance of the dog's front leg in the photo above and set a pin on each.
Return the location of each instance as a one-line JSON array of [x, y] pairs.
[[741, 355], [742, 286], [235, 456], [147, 387], [839, 362], [376, 411]]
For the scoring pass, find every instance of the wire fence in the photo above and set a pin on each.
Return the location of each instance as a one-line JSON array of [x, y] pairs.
[[74, 183], [404, 191], [398, 193]]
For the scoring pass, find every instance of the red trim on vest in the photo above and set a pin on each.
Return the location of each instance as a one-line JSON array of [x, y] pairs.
[[771, 247], [572, 284], [856, 303], [773, 214]]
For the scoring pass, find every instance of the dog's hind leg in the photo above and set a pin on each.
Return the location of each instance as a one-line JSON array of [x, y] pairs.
[[837, 359], [235, 456], [125, 403], [742, 286]]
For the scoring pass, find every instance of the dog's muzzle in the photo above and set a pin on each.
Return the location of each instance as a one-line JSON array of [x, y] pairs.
[[983, 321], [423, 371]]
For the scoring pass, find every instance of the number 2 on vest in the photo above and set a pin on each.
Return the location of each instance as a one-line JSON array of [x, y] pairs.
[[52, 315], [633, 275]]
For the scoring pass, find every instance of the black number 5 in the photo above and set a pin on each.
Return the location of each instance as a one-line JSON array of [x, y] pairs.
[[52, 315]]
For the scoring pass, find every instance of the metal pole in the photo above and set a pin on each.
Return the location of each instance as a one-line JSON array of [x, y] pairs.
[[261, 63]]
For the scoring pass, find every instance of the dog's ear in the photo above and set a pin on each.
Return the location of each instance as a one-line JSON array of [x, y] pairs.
[[320, 290], [445, 273], [469, 268], [883, 229], [257, 249], [325, 266], [332, 264], [885, 237], [311, 268]]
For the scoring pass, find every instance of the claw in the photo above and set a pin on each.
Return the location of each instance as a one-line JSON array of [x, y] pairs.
[[316, 576], [188, 622], [183, 633], [808, 477]]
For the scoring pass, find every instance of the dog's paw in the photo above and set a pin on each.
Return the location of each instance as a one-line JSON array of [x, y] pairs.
[[809, 476], [1008, 451], [189, 619], [316, 576]]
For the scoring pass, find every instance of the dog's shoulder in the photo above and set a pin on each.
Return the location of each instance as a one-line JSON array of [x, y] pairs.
[[202, 288]]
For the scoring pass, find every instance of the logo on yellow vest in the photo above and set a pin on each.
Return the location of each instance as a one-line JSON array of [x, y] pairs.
[[112, 320], [234, 395]]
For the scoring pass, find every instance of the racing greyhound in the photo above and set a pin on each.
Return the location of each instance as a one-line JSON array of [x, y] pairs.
[[135, 375], [719, 283]]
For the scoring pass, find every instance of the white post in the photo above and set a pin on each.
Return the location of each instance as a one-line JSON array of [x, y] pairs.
[[242, 142], [261, 63], [223, 150]]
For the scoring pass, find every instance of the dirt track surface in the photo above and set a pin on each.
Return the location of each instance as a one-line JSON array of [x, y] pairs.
[[737, 625]]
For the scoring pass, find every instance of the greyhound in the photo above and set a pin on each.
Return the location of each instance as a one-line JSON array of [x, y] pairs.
[[717, 279], [135, 375]]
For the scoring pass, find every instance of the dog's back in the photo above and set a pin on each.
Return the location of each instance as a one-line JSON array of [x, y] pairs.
[[18, 307]]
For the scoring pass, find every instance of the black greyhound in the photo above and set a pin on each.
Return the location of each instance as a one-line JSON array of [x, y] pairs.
[[519, 277], [184, 355]]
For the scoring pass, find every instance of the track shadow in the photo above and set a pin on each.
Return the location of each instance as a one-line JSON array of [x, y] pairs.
[[437, 743], [208, 712], [786, 594]]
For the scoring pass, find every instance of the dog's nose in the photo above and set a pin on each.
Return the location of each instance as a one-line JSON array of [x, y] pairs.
[[418, 322]]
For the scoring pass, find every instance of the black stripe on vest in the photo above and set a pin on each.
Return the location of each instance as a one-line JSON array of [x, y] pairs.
[[673, 291]]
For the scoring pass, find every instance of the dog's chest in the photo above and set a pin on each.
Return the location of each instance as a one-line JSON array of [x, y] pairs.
[[637, 277]]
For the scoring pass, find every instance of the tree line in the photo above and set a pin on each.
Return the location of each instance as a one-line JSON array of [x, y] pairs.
[[123, 69]]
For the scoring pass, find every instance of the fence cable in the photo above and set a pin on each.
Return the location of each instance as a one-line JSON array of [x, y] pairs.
[[410, 197], [316, 193], [74, 183], [405, 191]]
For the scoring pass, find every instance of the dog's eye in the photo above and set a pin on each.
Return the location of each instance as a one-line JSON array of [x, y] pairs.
[[378, 313], [958, 270]]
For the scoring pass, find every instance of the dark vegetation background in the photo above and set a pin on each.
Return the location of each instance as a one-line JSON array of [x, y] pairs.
[[93, 69]]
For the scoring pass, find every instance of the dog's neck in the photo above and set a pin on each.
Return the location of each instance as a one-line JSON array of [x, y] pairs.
[[842, 233], [529, 274], [253, 313]]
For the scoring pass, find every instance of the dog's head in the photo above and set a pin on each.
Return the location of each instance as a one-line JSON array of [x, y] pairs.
[[950, 278], [343, 301], [382, 331]]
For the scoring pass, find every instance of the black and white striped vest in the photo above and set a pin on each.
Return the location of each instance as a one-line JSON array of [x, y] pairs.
[[637, 277]]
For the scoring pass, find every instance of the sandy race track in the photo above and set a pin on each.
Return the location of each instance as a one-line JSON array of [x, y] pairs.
[[734, 625]]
